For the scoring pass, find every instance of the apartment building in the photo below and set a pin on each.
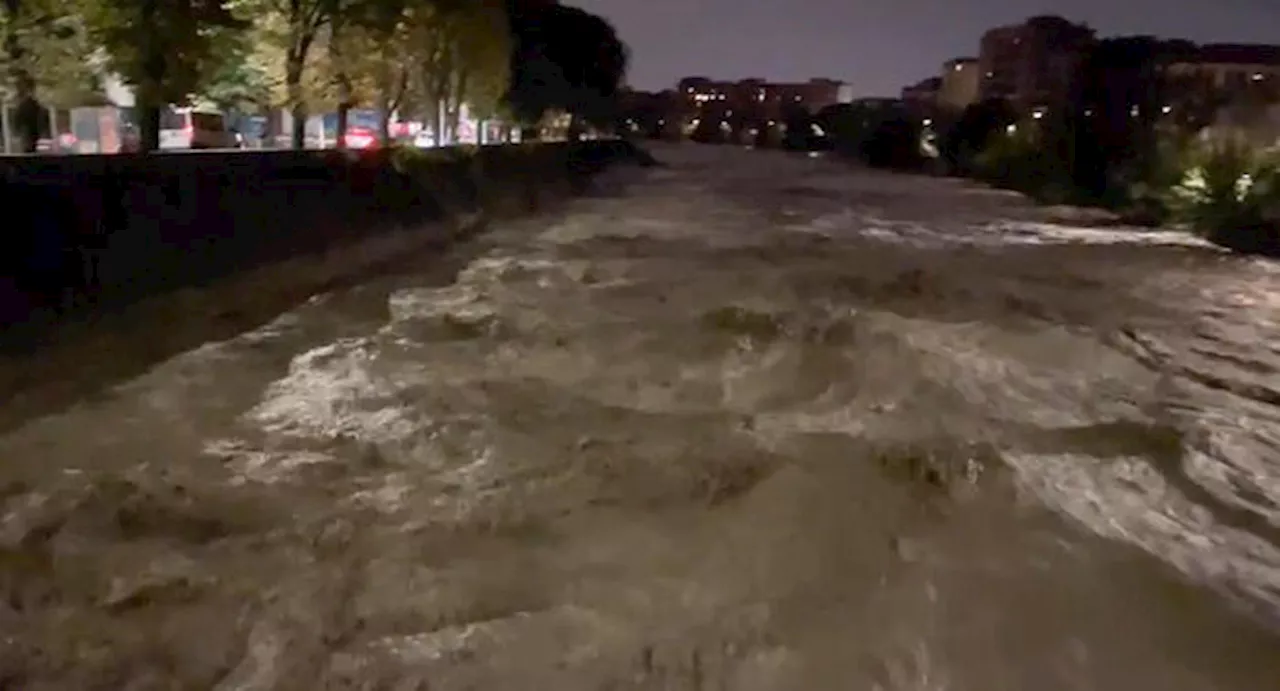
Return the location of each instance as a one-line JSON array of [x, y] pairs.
[[1240, 70], [766, 99], [923, 94], [921, 99], [1032, 63], [960, 84]]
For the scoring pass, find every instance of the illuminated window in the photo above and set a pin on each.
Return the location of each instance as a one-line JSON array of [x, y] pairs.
[[1257, 77]]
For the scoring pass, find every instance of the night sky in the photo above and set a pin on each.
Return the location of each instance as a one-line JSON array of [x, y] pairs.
[[878, 46]]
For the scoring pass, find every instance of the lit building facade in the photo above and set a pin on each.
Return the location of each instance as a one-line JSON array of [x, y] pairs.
[[961, 79], [1033, 63], [764, 99]]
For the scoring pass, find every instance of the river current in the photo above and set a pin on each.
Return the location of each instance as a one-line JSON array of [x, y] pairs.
[[751, 421]]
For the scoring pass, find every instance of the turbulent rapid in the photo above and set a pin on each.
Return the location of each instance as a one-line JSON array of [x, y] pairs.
[[751, 421]]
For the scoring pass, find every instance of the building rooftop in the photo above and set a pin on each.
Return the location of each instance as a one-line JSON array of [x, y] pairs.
[[1238, 54]]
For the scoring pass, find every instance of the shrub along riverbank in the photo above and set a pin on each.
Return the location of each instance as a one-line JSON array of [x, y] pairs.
[[1129, 134], [1221, 189]]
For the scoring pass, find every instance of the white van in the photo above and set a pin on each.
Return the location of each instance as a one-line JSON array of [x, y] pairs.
[[191, 128]]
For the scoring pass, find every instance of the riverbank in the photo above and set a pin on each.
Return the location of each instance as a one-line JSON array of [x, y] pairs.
[[89, 233], [58, 358]]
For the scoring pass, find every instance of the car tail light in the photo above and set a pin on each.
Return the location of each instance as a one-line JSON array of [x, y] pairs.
[[359, 141]]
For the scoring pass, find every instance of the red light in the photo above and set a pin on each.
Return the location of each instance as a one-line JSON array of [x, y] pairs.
[[360, 139]]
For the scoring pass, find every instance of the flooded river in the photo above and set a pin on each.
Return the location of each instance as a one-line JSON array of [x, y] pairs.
[[749, 422]]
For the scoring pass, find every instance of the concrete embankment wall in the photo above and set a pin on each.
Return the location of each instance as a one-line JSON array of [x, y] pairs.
[[85, 232]]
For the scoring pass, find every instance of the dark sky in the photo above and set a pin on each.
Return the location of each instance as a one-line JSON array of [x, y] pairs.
[[880, 45]]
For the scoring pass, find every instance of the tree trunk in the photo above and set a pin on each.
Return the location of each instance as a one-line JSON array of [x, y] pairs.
[[26, 115], [457, 101], [150, 99], [438, 122], [345, 89], [295, 62], [384, 117], [344, 115], [452, 116], [148, 124], [297, 109]]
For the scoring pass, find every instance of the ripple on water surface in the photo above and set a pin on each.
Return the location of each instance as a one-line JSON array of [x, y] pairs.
[[683, 446]]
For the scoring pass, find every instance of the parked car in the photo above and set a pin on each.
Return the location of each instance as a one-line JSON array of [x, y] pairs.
[[192, 128]]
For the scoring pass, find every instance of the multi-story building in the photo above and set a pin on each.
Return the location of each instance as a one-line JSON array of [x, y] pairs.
[[1236, 70], [923, 94], [1033, 63], [960, 84], [654, 113], [766, 99]]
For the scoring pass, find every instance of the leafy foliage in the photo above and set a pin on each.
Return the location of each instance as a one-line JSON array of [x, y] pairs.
[[425, 57], [1225, 188], [53, 43], [980, 125], [564, 58], [162, 48]]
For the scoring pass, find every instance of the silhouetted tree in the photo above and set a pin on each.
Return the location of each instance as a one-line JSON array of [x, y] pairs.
[[894, 143], [564, 58], [974, 131], [712, 126], [847, 125], [1125, 99], [798, 132]]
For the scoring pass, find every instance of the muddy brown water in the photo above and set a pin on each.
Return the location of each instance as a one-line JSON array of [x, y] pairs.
[[751, 421]]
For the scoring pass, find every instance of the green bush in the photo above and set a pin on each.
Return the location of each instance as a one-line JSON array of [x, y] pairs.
[[1015, 160], [1226, 185], [1231, 195]]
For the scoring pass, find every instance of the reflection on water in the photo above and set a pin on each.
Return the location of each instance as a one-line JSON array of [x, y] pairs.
[[756, 423]]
